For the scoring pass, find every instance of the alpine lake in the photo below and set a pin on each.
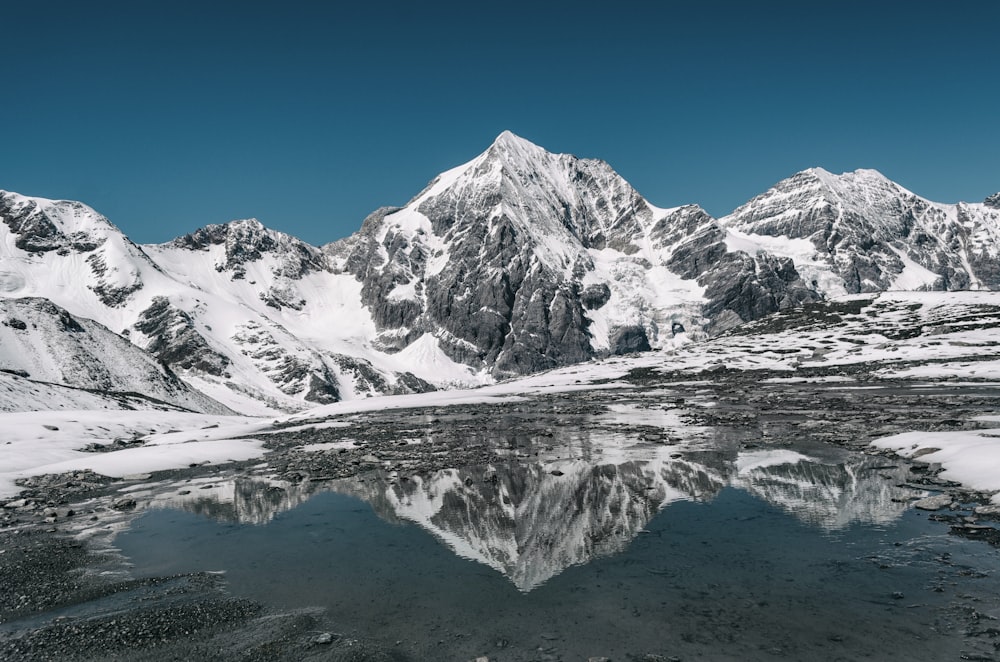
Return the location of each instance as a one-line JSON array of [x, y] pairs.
[[651, 519]]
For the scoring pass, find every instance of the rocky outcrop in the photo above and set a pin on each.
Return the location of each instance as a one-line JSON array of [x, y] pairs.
[[174, 339], [518, 261], [246, 241], [739, 287], [293, 373], [36, 232]]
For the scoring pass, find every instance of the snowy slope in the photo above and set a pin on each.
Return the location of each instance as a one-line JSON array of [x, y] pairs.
[[214, 305], [44, 343]]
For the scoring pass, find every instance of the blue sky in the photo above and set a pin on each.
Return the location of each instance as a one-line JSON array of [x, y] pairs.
[[166, 116]]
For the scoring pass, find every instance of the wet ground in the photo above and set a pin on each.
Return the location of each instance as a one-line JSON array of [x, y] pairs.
[[718, 519]]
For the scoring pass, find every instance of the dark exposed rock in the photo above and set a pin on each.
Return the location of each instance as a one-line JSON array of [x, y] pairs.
[[110, 294], [595, 296], [322, 390], [248, 241], [174, 339], [279, 296], [993, 201], [82, 356], [407, 382], [36, 233], [629, 339], [494, 302], [15, 323], [292, 373], [739, 287]]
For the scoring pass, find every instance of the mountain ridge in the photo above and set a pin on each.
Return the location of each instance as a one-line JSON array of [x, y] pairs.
[[516, 261]]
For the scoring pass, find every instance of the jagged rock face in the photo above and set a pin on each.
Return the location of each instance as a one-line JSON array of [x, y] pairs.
[[246, 241], [876, 235], [993, 201], [69, 228], [511, 259], [491, 258], [37, 233], [293, 375], [738, 287], [174, 339]]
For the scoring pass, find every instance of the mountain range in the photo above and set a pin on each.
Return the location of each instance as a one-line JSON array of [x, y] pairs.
[[518, 261]]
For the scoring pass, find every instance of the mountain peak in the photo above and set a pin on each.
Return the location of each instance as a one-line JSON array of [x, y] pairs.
[[509, 139], [855, 176], [508, 145]]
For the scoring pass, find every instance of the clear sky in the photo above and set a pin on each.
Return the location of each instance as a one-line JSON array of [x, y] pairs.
[[166, 116]]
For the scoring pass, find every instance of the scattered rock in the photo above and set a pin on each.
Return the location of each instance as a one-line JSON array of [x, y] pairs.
[[933, 503], [124, 503]]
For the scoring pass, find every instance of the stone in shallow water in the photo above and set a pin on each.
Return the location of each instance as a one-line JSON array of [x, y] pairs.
[[933, 503]]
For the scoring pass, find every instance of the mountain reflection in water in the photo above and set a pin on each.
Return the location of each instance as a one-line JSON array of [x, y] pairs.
[[530, 521]]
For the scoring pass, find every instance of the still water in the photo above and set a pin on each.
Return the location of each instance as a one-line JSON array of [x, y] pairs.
[[705, 556]]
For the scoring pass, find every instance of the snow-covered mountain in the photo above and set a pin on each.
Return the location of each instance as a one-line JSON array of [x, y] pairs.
[[860, 232], [517, 261], [247, 315], [521, 260]]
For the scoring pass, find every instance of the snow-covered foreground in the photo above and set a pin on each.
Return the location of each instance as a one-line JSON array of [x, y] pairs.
[[47, 442], [969, 457]]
